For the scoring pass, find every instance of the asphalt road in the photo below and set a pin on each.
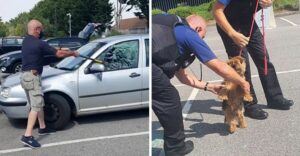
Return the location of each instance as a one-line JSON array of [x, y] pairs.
[[112, 134], [277, 136]]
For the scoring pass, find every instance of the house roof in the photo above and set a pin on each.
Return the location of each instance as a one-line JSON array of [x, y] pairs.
[[132, 23]]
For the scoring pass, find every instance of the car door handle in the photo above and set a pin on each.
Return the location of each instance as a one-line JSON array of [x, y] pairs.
[[132, 75]]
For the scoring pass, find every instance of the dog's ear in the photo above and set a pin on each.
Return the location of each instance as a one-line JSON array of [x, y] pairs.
[[240, 58], [229, 62]]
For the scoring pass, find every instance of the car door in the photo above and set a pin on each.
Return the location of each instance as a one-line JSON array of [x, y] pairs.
[[120, 85], [145, 81], [10, 44]]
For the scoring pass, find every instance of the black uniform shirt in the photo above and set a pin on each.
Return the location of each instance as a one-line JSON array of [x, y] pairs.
[[33, 52]]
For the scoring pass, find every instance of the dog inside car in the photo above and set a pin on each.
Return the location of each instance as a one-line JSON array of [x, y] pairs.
[[233, 96]]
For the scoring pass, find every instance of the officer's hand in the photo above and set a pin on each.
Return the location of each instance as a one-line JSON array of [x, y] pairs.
[[214, 88], [240, 39], [265, 3]]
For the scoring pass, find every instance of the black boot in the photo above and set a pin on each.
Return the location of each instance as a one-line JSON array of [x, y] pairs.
[[254, 112], [188, 147], [283, 104]]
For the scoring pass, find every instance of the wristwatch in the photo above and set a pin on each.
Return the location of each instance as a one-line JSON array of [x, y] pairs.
[[205, 88]]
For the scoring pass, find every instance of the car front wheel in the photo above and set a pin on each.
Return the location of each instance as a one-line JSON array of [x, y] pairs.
[[57, 111], [17, 67]]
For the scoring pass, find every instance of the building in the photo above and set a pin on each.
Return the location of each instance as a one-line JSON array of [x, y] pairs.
[[133, 26], [125, 21]]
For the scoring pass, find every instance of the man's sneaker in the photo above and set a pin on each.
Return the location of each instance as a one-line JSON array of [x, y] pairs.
[[30, 141], [283, 105], [46, 131]]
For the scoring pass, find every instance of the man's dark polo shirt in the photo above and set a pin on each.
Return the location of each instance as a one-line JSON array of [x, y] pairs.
[[33, 52]]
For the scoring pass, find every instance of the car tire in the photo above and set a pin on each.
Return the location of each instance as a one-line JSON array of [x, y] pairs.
[[57, 111], [17, 67]]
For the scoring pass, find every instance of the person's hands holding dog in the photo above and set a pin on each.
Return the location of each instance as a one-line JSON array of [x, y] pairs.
[[265, 3], [246, 86], [214, 88]]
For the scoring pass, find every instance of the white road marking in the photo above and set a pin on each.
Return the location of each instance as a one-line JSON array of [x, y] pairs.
[[76, 141], [292, 23], [188, 104]]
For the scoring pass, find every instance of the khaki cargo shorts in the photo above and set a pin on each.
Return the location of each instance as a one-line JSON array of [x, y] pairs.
[[33, 89]]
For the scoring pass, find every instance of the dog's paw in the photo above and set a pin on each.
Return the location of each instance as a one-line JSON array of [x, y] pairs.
[[248, 98], [223, 97], [232, 128], [244, 125]]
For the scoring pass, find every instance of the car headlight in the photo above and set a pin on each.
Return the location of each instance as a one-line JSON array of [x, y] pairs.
[[5, 92]]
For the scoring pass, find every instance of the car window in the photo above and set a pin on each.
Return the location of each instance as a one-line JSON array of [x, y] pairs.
[[123, 55], [20, 41], [147, 52], [71, 45], [53, 43], [10, 41]]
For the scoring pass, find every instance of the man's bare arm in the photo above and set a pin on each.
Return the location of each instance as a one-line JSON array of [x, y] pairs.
[[238, 38]]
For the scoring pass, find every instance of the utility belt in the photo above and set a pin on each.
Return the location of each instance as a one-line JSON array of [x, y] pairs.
[[33, 71], [170, 68]]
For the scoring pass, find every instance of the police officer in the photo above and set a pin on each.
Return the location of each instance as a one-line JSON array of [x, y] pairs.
[[33, 50], [234, 19], [175, 43]]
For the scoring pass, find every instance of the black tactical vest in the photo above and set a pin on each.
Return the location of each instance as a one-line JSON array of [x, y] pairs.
[[165, 52], [240, 11]]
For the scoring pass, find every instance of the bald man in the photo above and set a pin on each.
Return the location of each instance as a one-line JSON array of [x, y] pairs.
[[33, 51], [175, 44]]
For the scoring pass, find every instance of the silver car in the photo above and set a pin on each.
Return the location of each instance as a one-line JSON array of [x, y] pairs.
[[79, 86]]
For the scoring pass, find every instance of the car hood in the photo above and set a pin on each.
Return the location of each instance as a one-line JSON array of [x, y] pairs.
[[48, 72], [11, 53]]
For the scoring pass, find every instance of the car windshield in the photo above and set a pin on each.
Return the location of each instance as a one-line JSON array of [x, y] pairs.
[[72, 63]]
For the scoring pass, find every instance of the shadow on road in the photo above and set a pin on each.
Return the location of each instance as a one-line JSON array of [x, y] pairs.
[[90, 119], [200, 128], [113, 116]]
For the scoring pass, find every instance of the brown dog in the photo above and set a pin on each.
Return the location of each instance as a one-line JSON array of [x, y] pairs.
[[233, 96]]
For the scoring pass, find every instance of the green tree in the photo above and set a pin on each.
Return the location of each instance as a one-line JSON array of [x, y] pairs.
[[3, 28], [142, 5], [17, 26], [52, 13]]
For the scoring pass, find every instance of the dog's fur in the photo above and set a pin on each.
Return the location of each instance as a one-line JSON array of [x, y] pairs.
[[233, 96]]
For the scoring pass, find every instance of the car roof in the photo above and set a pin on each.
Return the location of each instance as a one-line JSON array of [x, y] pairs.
[[120, 37]]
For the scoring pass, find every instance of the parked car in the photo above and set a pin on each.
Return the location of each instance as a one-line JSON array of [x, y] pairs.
[[12, 61], [78, 86], [8, 44]]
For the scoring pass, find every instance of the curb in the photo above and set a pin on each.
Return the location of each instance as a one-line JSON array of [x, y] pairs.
[[286, 13]]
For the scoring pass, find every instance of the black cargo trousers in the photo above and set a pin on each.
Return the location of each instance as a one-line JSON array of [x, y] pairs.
[[167, 107], [255, 48]]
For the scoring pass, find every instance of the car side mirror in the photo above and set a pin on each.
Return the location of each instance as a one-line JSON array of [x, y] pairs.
[[95, 68]]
